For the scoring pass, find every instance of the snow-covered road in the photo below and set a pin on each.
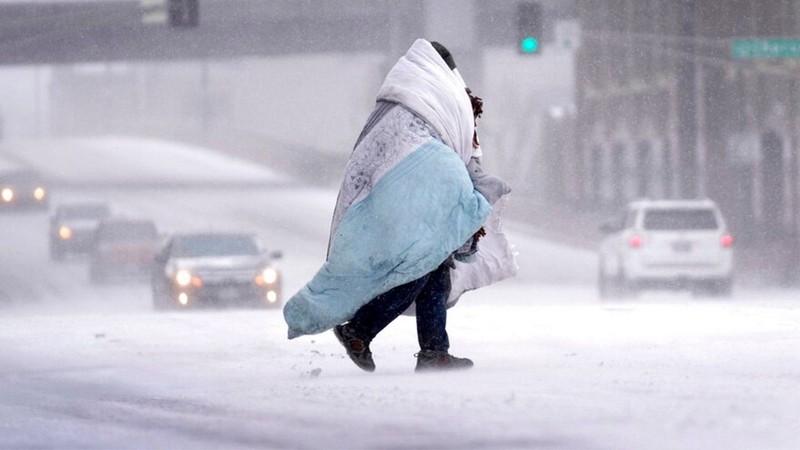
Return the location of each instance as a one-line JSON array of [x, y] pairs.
[[95, 367], [554, 370]]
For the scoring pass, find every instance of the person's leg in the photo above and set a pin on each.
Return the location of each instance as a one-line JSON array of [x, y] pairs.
[[373, 317], [376, 315], [431, 310]]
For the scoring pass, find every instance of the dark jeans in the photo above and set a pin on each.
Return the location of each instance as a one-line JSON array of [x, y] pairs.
[[429, 292]]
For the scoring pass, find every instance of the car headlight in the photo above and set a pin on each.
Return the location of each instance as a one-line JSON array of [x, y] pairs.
[[65, 233], [183, 278], [269, 275], [39, 193], [7, 194]]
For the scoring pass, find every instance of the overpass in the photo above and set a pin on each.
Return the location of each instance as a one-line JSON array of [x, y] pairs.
[[75, 31], [72, 32]]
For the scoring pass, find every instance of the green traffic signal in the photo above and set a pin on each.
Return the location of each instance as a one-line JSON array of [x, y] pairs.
[[529, 45]]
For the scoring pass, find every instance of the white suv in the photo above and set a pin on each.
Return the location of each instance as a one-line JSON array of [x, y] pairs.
[[667, 244]]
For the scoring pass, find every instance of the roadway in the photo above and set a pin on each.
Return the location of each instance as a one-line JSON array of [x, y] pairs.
[[95, 366]]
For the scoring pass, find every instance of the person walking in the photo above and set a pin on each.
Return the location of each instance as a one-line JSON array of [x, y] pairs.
[[428, 294], [406, 204]]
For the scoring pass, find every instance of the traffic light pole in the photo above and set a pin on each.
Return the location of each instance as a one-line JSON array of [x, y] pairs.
[[792, 275], [204, 100], [687, 105]]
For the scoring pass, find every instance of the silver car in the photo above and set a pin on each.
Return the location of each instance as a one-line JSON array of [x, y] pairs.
[[667, 244], [216, 270], [23, 188]]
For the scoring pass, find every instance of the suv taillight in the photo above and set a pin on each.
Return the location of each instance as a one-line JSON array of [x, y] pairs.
[[726, 241], [635, 241]]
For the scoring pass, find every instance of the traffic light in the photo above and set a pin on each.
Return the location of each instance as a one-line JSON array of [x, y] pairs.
[[183, 13], [530, 27]]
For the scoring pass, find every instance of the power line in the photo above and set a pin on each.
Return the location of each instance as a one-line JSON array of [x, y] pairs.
[[658, 45]]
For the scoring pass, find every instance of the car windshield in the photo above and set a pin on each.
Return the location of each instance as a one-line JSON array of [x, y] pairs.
[[22, 177], [194, 246], [133, 231], [85, 212], [680, 219]]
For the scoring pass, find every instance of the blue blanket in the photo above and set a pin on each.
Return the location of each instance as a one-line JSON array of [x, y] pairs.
[[417, 214]]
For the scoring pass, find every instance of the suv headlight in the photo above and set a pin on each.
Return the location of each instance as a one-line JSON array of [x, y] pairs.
[[183, 278], [65, 233], [269, 275], [8, 194]]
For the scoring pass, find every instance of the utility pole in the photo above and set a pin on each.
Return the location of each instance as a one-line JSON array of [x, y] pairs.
[[687, 104], [793, 265], [205, 112], [37, 102]]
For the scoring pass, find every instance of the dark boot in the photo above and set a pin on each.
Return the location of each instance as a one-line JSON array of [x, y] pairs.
[[430, 360], [357, 348]]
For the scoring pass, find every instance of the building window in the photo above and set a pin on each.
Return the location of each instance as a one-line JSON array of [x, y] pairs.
[[596, 175], [644, 170], [772, 184], [618, 177], [667, 171]]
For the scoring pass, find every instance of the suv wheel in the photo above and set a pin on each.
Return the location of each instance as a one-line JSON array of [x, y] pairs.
[[717, 288], [624, 287], [603, 288], [96, 275], [161, 300], [56, 252], [725, 288], [616, 287]]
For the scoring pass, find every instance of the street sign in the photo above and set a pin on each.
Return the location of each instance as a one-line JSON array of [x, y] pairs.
[[766, 48]]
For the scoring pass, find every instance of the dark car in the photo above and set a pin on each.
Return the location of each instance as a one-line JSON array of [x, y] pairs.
[[215, 269], [21, 188], [122, 248], [72, 227]]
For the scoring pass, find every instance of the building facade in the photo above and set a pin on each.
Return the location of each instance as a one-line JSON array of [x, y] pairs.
[[668, 108]]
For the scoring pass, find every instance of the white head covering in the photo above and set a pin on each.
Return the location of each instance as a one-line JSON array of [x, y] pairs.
[[422, 82]]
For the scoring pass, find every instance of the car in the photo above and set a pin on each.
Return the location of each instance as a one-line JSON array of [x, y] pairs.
[[215, 269], [72, 227], [122, 248], [676, 244], [23, 188]]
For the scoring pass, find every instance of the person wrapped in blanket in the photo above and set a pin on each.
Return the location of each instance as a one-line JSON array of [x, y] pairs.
[[416, 222]]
